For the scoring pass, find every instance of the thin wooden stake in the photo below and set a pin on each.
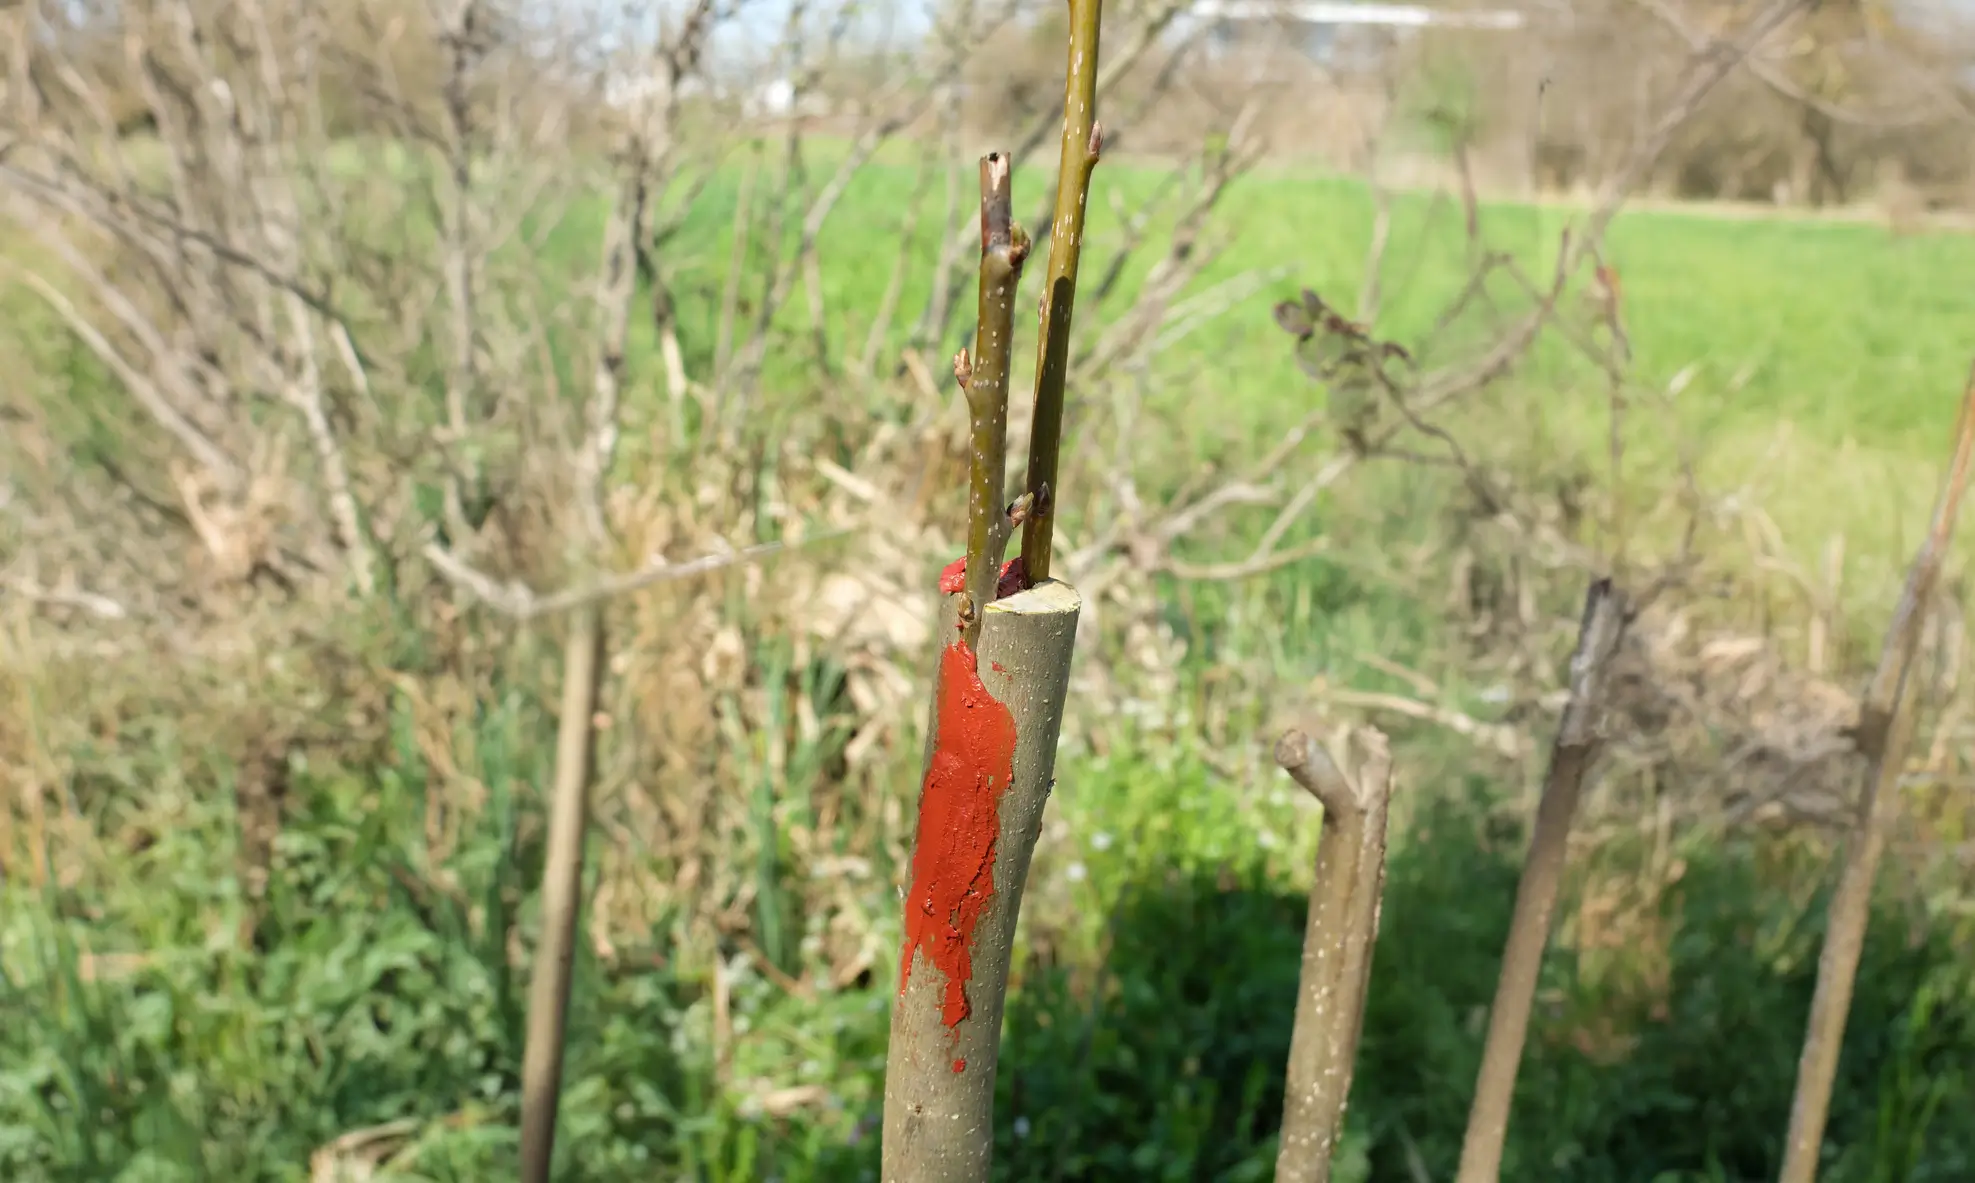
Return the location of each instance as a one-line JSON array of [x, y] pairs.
[[1577, 745], [1885, 729]]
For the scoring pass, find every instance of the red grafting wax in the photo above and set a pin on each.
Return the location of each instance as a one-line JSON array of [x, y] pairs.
[[959, 1066], [1014, 576], [959, 825]]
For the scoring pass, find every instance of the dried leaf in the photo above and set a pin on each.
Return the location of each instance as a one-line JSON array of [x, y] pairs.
[[1294, 320]]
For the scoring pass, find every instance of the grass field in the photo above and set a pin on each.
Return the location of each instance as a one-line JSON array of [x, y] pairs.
[[1818, 359], [1146, 1036]]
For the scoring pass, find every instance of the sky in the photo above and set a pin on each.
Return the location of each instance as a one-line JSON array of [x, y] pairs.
[[758, 24]]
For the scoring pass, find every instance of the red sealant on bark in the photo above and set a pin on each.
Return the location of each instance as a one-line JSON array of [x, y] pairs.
[[1014, 577], [959, 826], [959, 1066]]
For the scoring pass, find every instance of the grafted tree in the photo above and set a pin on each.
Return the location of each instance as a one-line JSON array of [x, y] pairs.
[[1004, 673]]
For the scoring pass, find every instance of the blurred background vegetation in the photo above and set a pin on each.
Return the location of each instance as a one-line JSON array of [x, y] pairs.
[[270, 843]]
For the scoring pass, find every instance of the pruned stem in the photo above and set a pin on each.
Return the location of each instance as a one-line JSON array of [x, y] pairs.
[[1885, 728], [1338, 938], [988, 776], [1004, 246], [1577, 744], [1083, 142]]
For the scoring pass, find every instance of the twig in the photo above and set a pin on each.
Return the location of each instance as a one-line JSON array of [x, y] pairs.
[[730, 289], [1710, 65], [747, 367], [69, 597], [1146, 34], [520, 602], [136, 378], [1135, 337], [908, 228], [1004, 247], [457, 259], [1247, 568], [939, 303], [1505, 740], [1698, 41], [1083, 143], [1370, 285]]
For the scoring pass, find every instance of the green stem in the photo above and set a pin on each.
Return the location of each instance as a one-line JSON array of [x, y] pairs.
[[1004, 246], [1083, 140]]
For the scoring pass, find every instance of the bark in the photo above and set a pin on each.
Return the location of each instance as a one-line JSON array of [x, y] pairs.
[[562, 882], [1885, 729], [1577, 744], [1337, 949], [946, 1024]]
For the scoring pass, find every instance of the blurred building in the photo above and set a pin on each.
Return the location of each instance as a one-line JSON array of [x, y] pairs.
[[1333, 33]]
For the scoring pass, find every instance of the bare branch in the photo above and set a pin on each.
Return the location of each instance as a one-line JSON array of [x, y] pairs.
[[135, 379], [1914, 116], [64, 596], [1506, 741], [518, 601]]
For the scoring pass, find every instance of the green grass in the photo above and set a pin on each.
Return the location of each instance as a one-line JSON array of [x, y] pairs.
[[1147, 1031], [1162, 1060], [1821, 360]]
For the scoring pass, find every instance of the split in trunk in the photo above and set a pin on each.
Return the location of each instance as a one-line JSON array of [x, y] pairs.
[[1885, 728], [1577, 744], [1337, 947]]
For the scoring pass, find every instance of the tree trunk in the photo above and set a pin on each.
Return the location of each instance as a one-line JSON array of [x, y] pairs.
[[989, 772]]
